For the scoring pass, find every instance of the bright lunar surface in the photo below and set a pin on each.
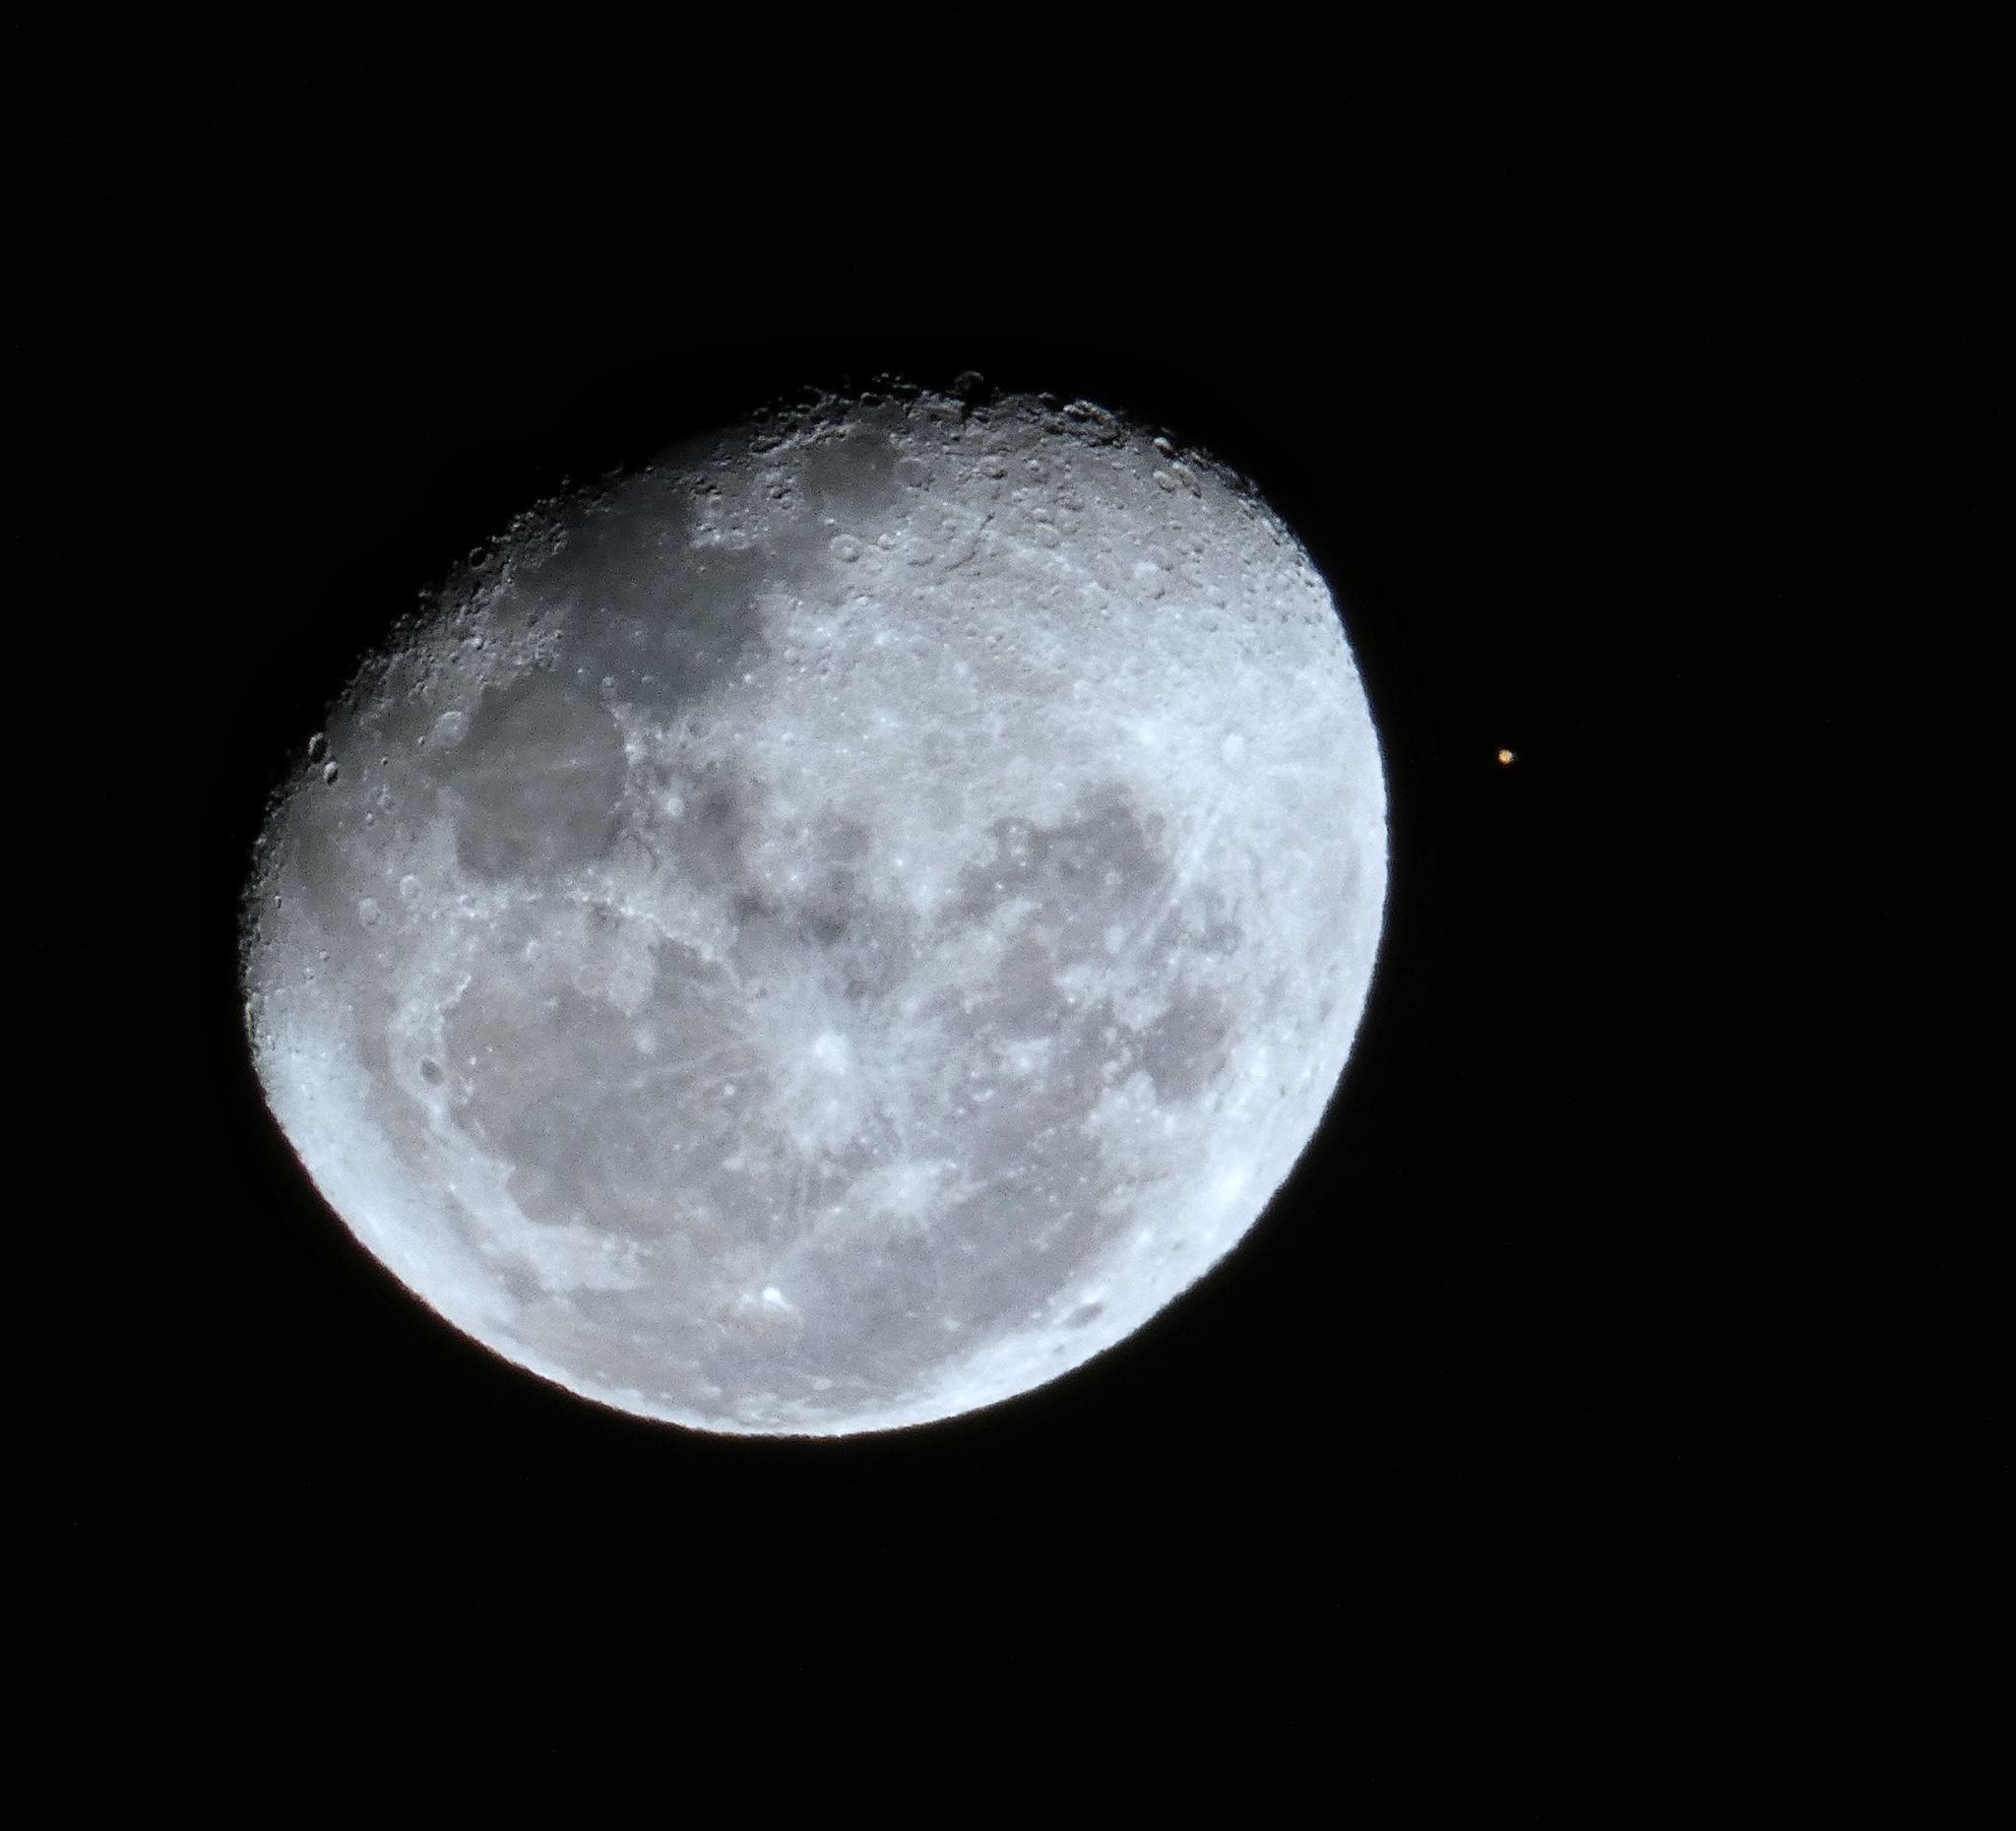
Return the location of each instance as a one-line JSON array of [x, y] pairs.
[[838, 926]]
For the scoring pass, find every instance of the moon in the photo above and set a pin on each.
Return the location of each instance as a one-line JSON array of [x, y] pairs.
[[835, 927]]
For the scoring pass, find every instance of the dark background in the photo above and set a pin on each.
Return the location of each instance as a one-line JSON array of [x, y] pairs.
[[1487, 1396]]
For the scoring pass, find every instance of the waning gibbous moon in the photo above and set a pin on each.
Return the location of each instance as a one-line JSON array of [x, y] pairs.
[[836, 928]]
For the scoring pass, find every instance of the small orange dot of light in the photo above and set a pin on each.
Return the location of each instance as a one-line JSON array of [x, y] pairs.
[[1504, 756]]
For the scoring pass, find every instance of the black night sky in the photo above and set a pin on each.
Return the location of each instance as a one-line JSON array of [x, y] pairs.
[[1474, 1384]]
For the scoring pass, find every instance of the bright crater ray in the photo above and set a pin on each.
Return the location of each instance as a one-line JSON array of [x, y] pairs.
[[835, 929]]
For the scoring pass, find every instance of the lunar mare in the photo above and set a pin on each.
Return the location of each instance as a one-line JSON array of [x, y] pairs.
[[838, 927]]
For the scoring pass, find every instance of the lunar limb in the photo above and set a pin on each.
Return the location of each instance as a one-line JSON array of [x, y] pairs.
[[835, 929]]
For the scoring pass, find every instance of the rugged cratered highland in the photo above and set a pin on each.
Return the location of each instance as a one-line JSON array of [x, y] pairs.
[[838, 927]]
